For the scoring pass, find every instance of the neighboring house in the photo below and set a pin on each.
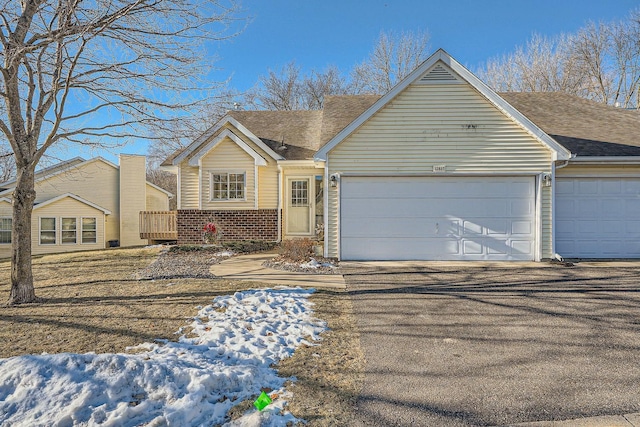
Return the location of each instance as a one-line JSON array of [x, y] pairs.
[[85, 204], [440, 168]]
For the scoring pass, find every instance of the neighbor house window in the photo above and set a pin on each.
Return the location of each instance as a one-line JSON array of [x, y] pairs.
[[89, 230], [227, 186], [69, 231], [47, 231], [5, 230]]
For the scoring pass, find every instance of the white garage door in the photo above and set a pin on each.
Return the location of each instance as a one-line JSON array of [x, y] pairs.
[[598, 217], [437, 218]]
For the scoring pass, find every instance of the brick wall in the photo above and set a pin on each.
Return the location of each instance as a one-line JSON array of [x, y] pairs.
[[233, 225]]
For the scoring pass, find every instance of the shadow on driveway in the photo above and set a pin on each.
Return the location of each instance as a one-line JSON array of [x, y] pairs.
[[491, 345]]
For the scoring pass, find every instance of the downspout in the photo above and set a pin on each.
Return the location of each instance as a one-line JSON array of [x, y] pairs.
[[280, 173]]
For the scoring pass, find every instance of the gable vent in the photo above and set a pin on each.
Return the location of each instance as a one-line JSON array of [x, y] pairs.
[[439, 74]]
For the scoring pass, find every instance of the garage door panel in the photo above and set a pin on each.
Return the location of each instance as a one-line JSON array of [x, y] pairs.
[[598, 217], [447, 218]]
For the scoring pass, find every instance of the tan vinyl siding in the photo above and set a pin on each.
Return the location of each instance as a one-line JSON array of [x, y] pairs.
[[189, 190], [268, 186], [66, 208], [441, 124], [227, 156], [156, 200], [132, 198], [95, 181]]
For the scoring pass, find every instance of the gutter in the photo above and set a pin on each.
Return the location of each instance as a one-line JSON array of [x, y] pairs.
[[607, 160]]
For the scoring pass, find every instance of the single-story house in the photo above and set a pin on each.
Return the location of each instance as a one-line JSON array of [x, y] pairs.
[[440, 168], [85, 204]]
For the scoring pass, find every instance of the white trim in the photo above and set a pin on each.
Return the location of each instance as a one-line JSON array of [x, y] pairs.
[[81, 230], [591, 175], [10, 230], [607, 160], [210, 198], [179, 188], [197, 157], [538, 249], [553, 208], [73, 196], [55, 243], [559, 152], [301, 163], [212, 131], [325, 220], [255, 186], [61, 230], [437, 174]]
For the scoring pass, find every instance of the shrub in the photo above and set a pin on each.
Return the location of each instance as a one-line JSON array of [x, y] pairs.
[[297, 249]]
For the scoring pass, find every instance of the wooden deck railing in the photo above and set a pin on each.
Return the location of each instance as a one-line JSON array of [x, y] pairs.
[[158, 225]]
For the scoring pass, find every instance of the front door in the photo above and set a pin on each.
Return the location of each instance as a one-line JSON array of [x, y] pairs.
[[299, 206]]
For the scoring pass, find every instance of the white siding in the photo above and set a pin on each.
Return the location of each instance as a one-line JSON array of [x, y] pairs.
[[433, 125]]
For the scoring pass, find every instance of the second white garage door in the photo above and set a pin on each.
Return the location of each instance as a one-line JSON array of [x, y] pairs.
[[598, 217], [437, 218]]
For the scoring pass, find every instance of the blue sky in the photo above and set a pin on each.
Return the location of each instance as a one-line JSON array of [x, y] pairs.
[[318, 33]]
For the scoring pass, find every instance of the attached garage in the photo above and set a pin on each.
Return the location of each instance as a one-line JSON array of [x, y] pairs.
[[598, 217], [437, 218]]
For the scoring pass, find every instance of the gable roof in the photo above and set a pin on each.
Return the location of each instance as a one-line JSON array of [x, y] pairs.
[[185, 153], [586, 128], [559, 152], [197, 157], [74, 197]]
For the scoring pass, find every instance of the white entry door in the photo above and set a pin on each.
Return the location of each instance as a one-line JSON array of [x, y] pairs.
[[437, 218], [299, 206]]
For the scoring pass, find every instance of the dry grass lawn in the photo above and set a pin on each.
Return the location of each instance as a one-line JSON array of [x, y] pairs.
[[92, 302]]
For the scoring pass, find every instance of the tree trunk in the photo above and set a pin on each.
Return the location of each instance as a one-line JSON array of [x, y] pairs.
[[22, 290]]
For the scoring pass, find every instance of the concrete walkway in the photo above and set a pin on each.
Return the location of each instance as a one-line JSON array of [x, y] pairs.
[[249, 268]]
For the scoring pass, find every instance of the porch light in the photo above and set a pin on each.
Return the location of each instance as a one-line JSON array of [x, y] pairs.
[[333, 180], [546, 180]]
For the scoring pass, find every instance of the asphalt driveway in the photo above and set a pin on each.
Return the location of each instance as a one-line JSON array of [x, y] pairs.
[[470, 344]]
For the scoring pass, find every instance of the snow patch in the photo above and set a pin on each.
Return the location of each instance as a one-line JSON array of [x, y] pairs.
[[192, 382]]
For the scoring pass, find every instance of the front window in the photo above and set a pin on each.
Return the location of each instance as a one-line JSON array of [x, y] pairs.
[[69, 231], [5, 230], [227, 186], [47, 231], [89, 230]]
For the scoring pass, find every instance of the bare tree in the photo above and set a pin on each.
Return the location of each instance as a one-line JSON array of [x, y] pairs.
[[280, 90], [599, 62], [542, 65], [289, 90], [89, 72], [392, 59]]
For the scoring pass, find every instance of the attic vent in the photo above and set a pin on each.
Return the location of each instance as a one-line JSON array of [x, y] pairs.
[[439, 74]]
